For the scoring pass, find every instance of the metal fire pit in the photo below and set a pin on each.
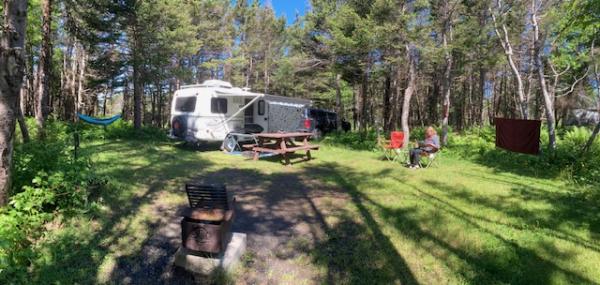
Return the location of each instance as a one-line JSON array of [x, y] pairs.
[[206, 224]]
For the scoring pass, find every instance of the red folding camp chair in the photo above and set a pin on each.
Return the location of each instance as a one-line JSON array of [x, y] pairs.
[[392, 149]]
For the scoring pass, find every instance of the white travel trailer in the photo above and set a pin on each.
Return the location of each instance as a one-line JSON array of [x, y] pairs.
[[209, 111]]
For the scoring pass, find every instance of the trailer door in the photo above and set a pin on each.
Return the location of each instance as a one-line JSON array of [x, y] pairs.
[[261, 115]]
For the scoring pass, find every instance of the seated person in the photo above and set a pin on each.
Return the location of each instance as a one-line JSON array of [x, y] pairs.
[[430, 145]]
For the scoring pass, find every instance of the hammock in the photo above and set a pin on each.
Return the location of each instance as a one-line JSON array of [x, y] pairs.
[[97, 121]]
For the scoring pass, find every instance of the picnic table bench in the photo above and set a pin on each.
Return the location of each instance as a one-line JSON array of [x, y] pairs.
[[283, 144]]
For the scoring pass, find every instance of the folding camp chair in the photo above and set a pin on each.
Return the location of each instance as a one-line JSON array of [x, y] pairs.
[[430, 158], [392, 149]]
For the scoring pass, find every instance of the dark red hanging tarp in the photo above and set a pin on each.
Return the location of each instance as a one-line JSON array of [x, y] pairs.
[[518, 135]]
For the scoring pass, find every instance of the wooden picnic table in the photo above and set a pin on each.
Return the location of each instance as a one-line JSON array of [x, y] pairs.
[[283, 143]]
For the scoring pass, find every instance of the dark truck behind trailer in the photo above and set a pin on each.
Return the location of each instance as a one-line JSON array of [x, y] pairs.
[[320, 122]]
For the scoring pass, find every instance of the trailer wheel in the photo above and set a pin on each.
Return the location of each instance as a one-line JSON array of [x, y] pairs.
[[230, 143]]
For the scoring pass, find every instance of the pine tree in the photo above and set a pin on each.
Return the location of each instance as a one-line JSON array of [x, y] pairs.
[[12, 66]]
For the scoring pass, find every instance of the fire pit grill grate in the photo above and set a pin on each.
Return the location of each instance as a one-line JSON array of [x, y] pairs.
[[206, 224]]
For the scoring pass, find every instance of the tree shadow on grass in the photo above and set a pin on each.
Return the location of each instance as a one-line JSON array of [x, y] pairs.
[[502, 161], [356, 252], [514, 263], [76, 256], [564, 208], [425, 225], [291, 214]]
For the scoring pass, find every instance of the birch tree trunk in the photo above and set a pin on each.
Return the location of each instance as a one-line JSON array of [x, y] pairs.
[[12, 66], [72, 85], [81, 79], [447, 80], [548, 98], [508, 51], [408, 93], [42, 102]]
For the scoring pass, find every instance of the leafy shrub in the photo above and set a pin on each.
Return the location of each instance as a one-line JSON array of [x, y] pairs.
[[118, 130], [585, 167], [566, 161], [352, 140], [47, 184], [124, 130], [368, 140]]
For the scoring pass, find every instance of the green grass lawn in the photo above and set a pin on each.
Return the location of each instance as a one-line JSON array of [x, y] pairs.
[[458, 222]]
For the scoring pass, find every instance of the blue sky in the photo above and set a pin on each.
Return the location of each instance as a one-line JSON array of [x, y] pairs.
[[288, 8]]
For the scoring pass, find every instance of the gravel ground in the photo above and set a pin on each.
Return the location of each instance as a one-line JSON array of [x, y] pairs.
[[283, 214]]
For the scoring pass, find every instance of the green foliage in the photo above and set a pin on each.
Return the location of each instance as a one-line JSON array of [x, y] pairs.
[[566, 161], [368, 140], [120, 130], [478, 144], [352, 140], [47, 184]]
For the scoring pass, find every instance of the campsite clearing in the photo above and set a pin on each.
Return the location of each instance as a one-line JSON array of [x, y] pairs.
[[344, 217]]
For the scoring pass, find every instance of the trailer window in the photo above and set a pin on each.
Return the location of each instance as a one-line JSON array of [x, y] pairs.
[[185, 104], [218, 105], [261, 107]]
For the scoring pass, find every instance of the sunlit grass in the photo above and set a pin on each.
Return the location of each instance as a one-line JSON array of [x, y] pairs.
[[457, 222]]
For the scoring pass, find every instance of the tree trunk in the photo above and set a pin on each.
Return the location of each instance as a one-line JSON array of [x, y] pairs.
[[249, 72], [590, 141], [387, 92], [408, 93], [419, 113], [137, 82], [20, 118], [354, 108], [73, 85], [80, 79], [12, 66], [548, 98], [482, 72], [42, 102], [338, 101], [126, 98], [446, 34], [266, 71], [227, 67], [153, 96], [447, 88], [508, 51], [363, 104], [160, 106], [597, 128]]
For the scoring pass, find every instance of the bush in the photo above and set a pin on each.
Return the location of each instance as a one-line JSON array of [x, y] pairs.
[[368, 140], [566, 161], [47, 184], [119, 130], [352, 140], [478, 144], [585, 168], [124, 130]]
